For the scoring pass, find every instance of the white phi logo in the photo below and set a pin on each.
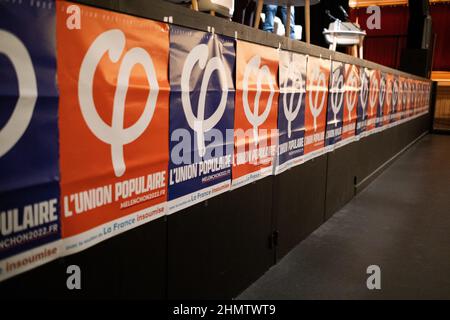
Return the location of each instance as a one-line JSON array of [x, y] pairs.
[[318, 81], [113, 42], [394, 94], [405, 93], [373, 92], [409, 85], [256, 119], [352, 95], [399, 95], [382, 93], [418, 94], [422, 94], [14, 49], [388, 97], [364, 93], [293, 76], [198, 123], [337, 93]]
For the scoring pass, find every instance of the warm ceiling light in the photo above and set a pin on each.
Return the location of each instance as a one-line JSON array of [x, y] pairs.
[[367, 3]]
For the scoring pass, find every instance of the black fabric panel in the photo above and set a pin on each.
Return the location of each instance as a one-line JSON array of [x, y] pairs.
[[341, 173], [299, 202], [254, 206], [218, 248], [130, 265]]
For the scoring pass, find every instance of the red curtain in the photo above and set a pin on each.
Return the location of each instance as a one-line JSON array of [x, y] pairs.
[[440, 14], [385, 45]]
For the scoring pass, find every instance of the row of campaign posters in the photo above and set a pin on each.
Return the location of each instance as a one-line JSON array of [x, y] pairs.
[[109, 121]]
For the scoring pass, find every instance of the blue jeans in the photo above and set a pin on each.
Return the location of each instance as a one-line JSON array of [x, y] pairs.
[[270, 10]]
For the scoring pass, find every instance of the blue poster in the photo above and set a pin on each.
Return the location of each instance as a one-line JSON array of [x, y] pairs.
[[291, 110], [335, 110], [394, 114], [403, 85], [362, 111], [381, 100], [201, 71], [29, 170]]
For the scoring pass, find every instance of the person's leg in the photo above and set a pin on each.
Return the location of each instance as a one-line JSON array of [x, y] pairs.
[[270, 11], [239, 10], [249, 13], [284, 19], [292, 22]]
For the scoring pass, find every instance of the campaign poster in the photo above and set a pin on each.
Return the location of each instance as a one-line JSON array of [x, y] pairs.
[[373, 101], [417, 97], [318, 74], [404, 90], [29, 169], [427, 96], [405, 98], [413, 97], [419, 94], [381, 101], [422, 97], [351, 97], [414, 89], [201, 69], [362, 112], [395, 100], [113, 120], [291, 110], [409, 109], [387, 101], [401, 98], [256, 110], [400, 106], [335, 105]]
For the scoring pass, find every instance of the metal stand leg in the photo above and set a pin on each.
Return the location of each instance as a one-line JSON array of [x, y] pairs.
[[288, 21], [195, 5], [333, 44], [361, 48], [307, 21], [258, 13]]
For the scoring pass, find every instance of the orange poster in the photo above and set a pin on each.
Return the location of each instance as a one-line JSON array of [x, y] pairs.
[[355, 102], [396, 99], [387, 100], [373, 100], [255, 126], [318, 74], [415, 96], [409, 109], [113, 120], [401, 98]]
